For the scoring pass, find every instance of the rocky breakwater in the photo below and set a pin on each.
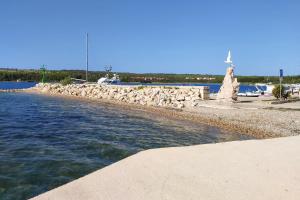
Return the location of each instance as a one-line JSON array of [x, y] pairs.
[[172, 97]]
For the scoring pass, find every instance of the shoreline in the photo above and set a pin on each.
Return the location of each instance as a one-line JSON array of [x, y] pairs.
[[251, 169], [240, 127], [206, 168]]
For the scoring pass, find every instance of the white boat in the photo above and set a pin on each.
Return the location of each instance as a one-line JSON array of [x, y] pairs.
[[106, 80], [103, 80], [115, 79], [295, 88], [265, 89], [249, 94], [261, 89]]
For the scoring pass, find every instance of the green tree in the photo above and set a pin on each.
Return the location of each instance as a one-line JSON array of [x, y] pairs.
[[66, 81], [280, 89]]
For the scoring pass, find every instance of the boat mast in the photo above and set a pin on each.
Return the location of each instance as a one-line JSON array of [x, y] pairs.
[[87, 57]]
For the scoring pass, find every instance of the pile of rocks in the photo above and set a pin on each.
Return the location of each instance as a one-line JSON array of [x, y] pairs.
[[175, 97], [230, 87]]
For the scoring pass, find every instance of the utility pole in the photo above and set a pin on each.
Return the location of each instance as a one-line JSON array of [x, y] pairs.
[[43, 71], [87, 57], [280, 82]]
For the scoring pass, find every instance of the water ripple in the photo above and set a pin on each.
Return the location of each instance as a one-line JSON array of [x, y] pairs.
[[46, 141]]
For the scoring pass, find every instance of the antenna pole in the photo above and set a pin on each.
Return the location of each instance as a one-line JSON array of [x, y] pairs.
[[87, 56]]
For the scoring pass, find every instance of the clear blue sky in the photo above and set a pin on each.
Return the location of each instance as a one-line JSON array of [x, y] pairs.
[[166, 36]]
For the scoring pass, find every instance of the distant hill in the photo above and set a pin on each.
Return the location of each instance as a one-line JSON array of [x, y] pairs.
[[10, 74]]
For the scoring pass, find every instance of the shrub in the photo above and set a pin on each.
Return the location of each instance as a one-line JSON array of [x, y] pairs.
[[66, 81], [140, 87], [276, 92]]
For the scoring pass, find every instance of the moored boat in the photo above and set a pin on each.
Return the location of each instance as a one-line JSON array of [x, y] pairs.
[[249, 94], [106, 80]]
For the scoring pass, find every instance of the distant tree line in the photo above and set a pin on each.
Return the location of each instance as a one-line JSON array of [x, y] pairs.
[[58, 75]]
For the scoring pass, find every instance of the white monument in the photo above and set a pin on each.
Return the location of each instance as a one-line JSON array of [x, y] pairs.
[[230, 87]]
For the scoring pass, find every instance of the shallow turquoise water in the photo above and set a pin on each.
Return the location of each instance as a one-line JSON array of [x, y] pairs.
[[47, 141]]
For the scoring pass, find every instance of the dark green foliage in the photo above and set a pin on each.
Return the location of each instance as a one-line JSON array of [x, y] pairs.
[[43, 73], [276, 92], [56, 76], [66, 81], [140, 87]]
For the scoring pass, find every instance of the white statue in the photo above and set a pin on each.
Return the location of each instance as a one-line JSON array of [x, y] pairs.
[[230, 87], [228, 60]]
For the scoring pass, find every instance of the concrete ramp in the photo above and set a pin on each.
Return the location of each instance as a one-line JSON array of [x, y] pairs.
[[254, 169]]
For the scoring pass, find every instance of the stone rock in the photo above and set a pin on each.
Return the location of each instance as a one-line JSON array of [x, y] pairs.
[[188, 98], [45, 89], [152, 96], [180, 98], [230, 87], [83, 93], [180, 105]]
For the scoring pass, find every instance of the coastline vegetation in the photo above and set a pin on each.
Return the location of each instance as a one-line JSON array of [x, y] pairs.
[[279, 91], [59, 75], [66, 81]]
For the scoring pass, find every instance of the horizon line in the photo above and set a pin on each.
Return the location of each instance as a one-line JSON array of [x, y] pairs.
[[36, 69]]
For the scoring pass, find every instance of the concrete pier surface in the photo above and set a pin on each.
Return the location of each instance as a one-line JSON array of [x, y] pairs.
[[253, 169]]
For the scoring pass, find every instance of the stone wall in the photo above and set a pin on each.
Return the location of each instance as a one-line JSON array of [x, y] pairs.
[[165, 96]]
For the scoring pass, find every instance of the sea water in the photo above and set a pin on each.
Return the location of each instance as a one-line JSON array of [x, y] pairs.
[[49, 141]]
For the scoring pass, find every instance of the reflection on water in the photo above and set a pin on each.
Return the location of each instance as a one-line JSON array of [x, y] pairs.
[[46, 142]]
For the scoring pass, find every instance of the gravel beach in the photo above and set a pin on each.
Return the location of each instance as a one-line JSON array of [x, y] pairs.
[[250, 116]]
